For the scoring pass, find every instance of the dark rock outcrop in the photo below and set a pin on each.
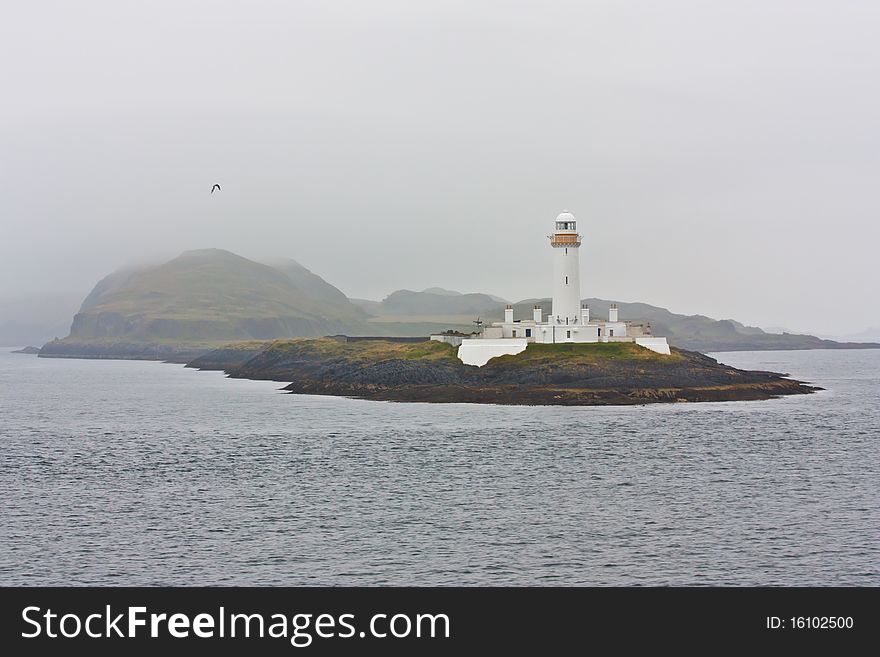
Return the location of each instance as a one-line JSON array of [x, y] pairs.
[[174, 353], [620, 373]]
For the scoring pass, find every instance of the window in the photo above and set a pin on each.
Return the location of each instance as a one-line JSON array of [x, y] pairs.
[[514, 332], [566, 250], [528, 333], [566, 280], [568, 334], [610, 333]]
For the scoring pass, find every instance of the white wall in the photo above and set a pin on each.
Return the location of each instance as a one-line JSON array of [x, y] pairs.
[[478, 351], [549, 334], [619, 329], [654, 344]]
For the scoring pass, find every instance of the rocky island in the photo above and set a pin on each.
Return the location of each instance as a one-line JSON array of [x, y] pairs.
[[560, 374]]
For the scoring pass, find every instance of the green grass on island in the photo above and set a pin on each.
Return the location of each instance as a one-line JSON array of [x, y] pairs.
[[364, 350], [382, 350], [586, 353]]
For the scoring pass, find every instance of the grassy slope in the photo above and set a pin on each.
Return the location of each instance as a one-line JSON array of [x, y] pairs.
[[408, 302], [584, 354], [201, 300], [333, 301], [361, 352], [535, 354], [214, 285]]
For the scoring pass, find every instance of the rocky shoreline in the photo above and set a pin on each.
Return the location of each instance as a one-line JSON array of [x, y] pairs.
[[569, 375], [172, 353], [552, 396]]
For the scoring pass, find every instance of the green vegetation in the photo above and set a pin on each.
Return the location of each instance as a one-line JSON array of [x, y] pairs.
[[587, 354], [214, 285], [246, 345], [333, 302], [433, 303], [363, 350], [208, 297], [535, 354], [373, 351]]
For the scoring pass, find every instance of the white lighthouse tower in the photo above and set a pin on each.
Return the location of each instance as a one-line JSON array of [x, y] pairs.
[[566, 243], [567, 322]]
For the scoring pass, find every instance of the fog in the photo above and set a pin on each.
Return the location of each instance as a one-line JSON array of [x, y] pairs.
[[722, 158]]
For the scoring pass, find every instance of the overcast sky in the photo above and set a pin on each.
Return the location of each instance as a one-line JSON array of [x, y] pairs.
[[721, 157]]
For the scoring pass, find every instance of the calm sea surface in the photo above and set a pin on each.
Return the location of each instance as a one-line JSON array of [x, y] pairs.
[[140, 473]]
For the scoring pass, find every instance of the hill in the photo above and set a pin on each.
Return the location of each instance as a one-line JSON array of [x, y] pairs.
[[433, 302], [192, 303], [563, 374], [331, 298], [698, 332], [201, 298], [441, 309]]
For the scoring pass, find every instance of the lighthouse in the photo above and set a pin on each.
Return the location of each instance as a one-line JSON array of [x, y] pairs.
[[568, 321], [566, 243]]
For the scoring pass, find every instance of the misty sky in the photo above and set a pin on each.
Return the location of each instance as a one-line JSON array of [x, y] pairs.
[[721, 157]]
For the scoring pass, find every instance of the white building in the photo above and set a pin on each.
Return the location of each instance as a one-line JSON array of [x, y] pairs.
[[568, 320]]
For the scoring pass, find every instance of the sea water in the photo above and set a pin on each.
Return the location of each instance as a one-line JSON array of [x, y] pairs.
[[144, 473]]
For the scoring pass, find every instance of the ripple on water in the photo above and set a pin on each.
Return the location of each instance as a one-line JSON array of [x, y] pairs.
[[119, 472]]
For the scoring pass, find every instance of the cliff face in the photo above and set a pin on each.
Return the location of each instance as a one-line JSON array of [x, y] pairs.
[[616, 373], [99, 325]]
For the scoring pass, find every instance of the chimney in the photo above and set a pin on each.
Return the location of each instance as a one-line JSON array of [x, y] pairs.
[[612, 313], [585, 314], [508, 314], [537, 314]]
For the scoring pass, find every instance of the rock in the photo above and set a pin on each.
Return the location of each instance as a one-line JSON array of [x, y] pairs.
[[584, 375], [27, 350]]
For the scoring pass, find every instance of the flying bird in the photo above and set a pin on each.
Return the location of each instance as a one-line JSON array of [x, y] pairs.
[[216, 186]]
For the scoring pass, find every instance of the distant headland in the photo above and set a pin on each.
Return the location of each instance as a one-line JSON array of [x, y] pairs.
[[33, 351], [204, 299]]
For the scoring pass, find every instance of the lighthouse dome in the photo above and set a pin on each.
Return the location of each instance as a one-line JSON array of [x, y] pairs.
[[566, 221]]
